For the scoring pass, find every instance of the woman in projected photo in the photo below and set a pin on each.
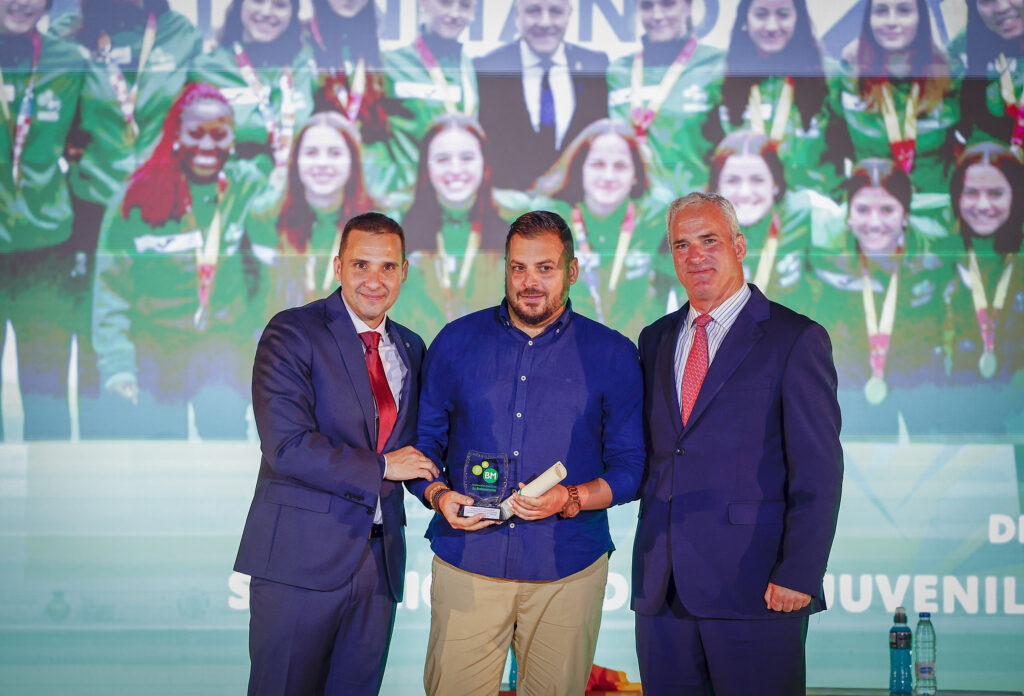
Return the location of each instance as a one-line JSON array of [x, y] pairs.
[[776, 84], [984, 346], [350, 81], [172, 318], [42, 281], [602, 190], [430, 77], [665, 92], [296, 231], [454, 232], [142, 52], [775, 221], [267, 75], [989, 56], [897, 99], [880, 297]]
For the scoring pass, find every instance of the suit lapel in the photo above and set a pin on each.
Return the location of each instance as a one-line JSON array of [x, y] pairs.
[[742, 337], [664, 368], [339, 323]]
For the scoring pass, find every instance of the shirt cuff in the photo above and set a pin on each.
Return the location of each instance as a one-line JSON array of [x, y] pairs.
[[385, 474]]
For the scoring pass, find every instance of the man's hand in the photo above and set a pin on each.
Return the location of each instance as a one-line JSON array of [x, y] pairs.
[[409, 463], [529, 509], [783, 599], [448, 505], [127, 389]]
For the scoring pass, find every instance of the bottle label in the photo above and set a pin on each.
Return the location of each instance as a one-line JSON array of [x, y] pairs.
[[899, 640], [925, 669]]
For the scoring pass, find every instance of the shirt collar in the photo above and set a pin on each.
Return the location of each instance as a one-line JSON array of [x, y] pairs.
[[725, 310], [361, 326], [531, 59]]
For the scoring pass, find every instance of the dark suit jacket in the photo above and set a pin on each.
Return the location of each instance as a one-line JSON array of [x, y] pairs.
[[517, 154], [320, 475], [748, 492]]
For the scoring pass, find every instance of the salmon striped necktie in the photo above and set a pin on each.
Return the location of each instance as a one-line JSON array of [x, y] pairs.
[[696, 365], [387, 411]]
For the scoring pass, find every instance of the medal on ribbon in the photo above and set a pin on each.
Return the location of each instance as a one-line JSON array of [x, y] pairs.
[[312, 259], [902, 142], [763, 274], [780, 114], [643, 116], [987, 315], [441, 83], [207, 255], [879, 330], [443, 276], [26, 110], [127, 98], [348, 92], [261, 92], [1014, 107]]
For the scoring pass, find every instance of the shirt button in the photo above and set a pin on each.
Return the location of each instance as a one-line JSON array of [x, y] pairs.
[[519, 415], [523, 378], [529, 343], [680, 451], [515, 453], [511, 525]]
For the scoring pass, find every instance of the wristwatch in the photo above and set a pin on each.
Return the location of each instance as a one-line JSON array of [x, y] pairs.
[[572, 505]]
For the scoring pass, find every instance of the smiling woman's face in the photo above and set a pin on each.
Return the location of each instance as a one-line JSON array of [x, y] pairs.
[[455, 166], [894, 23], [206, 137], [324, 162], [986, 200], [747, 182], [20, 16], [608, 173], [876, 220], [263, 21]]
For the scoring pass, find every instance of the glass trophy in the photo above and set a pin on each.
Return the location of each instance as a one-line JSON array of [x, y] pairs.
[[485, 479]]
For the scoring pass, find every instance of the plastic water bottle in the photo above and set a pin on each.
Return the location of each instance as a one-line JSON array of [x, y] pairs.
[[924, 655], [513, 672], [901, 673]]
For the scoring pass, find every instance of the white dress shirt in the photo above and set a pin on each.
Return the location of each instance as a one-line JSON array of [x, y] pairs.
[[723, 317], [561, 88], [394, 369]]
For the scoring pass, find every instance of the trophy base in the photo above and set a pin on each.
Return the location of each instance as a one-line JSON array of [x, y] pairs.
[[489, 513]]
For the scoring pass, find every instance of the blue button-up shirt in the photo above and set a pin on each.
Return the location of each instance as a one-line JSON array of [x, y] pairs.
[[572, 394]]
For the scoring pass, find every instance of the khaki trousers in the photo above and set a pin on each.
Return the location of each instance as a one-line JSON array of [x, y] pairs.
[[552, 627]]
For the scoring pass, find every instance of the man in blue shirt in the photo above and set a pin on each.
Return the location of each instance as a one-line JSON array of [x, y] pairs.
[[531, 383]]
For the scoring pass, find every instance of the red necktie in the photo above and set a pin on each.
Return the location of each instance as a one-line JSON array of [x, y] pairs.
[[696, 365], [387, 412]]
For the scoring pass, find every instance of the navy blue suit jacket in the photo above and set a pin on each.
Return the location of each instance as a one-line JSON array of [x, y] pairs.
[[748, 491], [320, 474], [511, 139]]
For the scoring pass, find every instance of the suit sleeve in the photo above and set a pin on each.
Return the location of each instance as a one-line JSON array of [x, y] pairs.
[[434, 408], [283, 402], [814, 462]]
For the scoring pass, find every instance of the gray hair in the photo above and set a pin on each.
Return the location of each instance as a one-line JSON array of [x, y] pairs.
[[697, 197]]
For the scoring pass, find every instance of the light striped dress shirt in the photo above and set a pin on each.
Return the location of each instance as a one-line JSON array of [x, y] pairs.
[[723, 317]]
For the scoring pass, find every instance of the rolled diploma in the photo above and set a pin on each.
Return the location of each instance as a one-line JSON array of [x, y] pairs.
[[539, 486]]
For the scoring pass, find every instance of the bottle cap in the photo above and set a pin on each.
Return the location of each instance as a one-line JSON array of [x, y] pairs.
[[925, 615], [901, 615]]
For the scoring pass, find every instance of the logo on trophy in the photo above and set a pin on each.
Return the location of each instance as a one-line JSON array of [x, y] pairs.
[[485, 479]]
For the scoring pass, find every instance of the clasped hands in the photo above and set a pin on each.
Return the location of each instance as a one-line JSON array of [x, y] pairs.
[[526, 508]]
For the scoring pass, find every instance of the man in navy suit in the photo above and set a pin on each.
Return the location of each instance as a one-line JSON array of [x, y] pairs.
[[538, 93], [335, 387], [744, 473]]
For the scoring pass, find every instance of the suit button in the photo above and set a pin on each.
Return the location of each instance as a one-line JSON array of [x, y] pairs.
[[369, 511], [680, 451]]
